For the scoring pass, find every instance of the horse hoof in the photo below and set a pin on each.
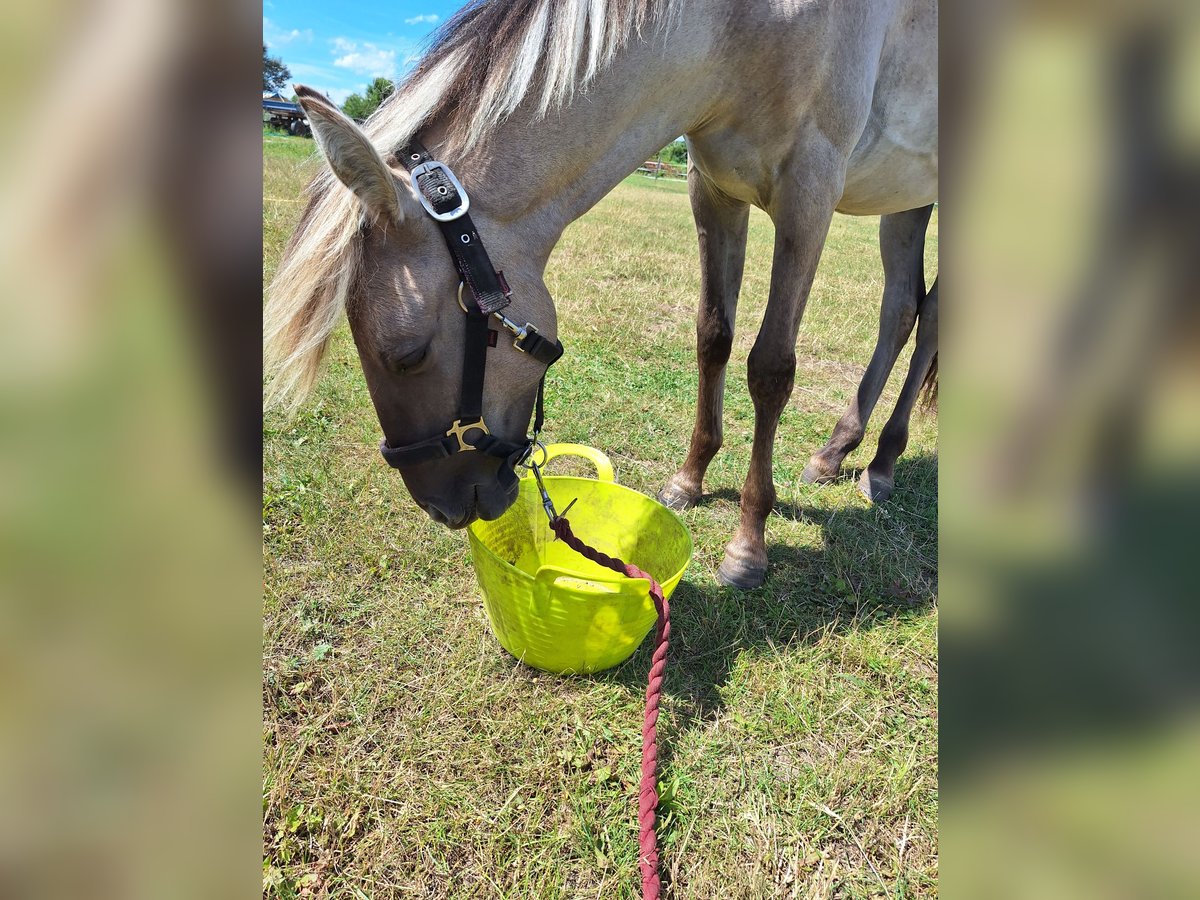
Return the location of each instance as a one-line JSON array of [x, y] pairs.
[[740, 574], [875, 488], [677, 499], [817, 473]]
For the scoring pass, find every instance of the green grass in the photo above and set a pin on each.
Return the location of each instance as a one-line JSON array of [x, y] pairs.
[[407, 755]]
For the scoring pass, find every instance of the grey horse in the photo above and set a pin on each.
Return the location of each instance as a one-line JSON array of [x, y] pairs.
[[541, 107]]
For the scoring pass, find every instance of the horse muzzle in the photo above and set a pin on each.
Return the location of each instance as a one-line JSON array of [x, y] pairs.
[[459, 503]]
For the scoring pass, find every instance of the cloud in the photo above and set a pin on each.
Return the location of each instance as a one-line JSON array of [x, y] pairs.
[[273, 36], [431, 18], [323, 79], [365, 58], [317, 73]]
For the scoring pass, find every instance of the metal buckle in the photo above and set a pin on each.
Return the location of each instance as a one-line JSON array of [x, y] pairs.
[[458, 429], [516, 330], [520, 334], [431, 166]]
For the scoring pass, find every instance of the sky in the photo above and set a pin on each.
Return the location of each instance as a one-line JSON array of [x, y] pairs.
[[340, 48]]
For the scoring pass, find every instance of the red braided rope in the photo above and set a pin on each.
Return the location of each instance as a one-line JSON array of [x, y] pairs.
[[648, 792]]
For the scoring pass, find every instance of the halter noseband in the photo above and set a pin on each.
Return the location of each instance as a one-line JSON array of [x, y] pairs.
[[447, 203]]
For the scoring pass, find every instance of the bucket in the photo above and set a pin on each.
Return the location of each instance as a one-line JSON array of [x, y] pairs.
[[550, 607]]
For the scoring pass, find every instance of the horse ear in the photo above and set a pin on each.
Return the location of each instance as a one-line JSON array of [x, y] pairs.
[[352, 156]]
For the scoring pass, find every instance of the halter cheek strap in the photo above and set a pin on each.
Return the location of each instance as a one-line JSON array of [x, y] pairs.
[[447, 203]]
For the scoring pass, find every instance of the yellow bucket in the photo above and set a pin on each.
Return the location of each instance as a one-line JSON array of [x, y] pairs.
[[550, 607]]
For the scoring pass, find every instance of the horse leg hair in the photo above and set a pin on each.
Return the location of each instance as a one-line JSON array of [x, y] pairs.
[[902, 249], [877, 481], [802, 212], [721, 225]]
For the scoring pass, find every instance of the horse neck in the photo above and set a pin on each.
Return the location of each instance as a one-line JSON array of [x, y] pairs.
[[530, 178]]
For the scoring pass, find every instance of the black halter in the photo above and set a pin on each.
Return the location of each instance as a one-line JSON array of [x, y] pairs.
[[446, 201]]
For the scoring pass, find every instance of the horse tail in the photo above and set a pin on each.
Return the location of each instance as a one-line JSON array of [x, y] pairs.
[[929, 387]]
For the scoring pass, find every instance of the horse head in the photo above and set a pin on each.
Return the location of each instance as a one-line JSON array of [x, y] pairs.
[[389, 262]]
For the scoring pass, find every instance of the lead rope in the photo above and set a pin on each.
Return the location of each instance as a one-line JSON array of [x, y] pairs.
[[648, 792]]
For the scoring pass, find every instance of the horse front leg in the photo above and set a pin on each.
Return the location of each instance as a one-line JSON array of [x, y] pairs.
[[902, 249], [879, 478], [801, 224], [721, 226]]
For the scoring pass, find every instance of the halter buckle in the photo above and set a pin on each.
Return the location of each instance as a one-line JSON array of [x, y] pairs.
[[432, 166], [458, 429]]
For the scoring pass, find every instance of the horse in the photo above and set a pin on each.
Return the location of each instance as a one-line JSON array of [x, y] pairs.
[[906, 304], [536, 110]]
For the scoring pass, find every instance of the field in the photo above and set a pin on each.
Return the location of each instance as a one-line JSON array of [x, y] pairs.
[[407, 755]]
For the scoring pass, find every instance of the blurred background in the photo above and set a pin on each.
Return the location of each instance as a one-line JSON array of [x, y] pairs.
[[1071, 419], [130, 588], [130, 563]]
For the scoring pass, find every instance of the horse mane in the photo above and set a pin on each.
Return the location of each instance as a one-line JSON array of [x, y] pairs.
[[485, 62]]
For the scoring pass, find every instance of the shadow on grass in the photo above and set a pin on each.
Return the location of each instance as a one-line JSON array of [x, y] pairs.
[[860, 577], [916, 479], [1084, 648]]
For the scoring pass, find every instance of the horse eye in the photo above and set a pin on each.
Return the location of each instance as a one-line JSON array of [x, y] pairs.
[[405, 362]]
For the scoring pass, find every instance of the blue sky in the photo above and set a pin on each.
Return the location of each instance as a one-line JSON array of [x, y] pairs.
[[339, 48]]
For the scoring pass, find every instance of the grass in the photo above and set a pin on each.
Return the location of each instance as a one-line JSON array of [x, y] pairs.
[[406, 755]]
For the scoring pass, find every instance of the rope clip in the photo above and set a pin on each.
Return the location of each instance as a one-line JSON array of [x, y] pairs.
[[547, 503]]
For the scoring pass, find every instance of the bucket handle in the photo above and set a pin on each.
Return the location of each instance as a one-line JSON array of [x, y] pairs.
[[547, 576], [604, 466]]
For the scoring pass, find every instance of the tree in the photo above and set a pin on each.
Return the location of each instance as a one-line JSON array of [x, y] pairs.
[[356, 107], [378, 91], [359, 107], [676, 153], [275, 73]]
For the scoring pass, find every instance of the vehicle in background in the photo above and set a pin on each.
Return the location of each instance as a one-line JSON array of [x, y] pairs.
[[289, 117]]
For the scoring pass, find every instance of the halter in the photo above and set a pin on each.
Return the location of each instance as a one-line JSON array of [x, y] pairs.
[[447, 203]]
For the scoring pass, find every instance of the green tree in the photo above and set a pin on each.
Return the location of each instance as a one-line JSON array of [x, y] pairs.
[[356, 107], [359, 107], [378, 91], [275, 73]]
